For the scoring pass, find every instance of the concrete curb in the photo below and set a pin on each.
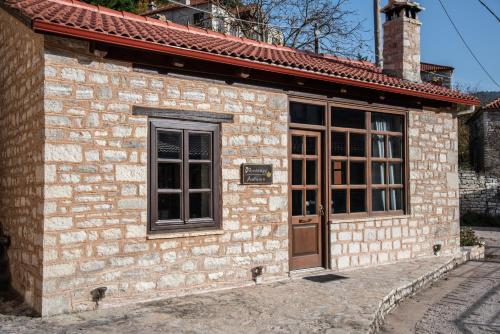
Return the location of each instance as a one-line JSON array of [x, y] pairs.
[[397, 295]]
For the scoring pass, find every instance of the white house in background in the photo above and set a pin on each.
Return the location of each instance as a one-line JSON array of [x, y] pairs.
[[208, 14]]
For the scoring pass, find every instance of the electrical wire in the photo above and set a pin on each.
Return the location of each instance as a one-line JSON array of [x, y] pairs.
[[467, 45], [489, 10]]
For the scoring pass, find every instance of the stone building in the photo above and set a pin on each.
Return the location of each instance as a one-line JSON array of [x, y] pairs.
[[211, 15], [480, 187], [156, 160], [440, 75]]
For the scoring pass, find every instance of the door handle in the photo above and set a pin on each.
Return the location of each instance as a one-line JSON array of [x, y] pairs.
[[305, 220], [321, 210]]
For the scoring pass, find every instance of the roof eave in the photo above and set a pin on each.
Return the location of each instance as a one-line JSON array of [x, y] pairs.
[[54, 28]]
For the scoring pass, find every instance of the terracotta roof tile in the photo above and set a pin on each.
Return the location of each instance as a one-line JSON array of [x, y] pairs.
[[103, 22], [495, 104], [428, 67]]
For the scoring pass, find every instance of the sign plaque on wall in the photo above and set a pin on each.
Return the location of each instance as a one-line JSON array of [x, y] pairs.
[[256, 174]]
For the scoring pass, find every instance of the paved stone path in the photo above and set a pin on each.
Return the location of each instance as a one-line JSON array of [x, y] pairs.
[[346, 304], [467, 301]]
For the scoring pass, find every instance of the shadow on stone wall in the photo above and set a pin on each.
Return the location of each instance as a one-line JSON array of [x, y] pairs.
[[479, 193]]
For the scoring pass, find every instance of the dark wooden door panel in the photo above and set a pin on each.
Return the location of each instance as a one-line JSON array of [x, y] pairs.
[[306, 209], [302, 236]]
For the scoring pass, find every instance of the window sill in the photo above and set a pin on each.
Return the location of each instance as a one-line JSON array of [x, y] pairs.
[[183, 234], [364, 219]]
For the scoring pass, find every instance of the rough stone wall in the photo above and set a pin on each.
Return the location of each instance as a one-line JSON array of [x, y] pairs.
[[479, 193], [433, 216], [402, 48], [96, 185], [21, 143], [492, 143], [441, 78]]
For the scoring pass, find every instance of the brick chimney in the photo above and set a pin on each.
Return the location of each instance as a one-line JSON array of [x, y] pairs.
[[402, 39]]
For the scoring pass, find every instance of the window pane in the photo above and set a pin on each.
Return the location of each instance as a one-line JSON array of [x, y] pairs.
[[348, 118], [169, 145], [199, 146], [396, 199], [199, 176], [378, 146], [296, 172], [169, 176], [297, 202], [395, 174], [395, 147], [387, 122], [378, 200], [311, 145], [311, 202], [297, 144], [358, 200], [199, 205], [339, 172], [357, 173], [378, 173], [169, 206], [311, 172], [339, 144], [357, 145], [339, 201], [306, 113]]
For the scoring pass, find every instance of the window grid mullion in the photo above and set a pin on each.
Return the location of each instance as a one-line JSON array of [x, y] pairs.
[[368, 167], [185, 178], [348, 169]]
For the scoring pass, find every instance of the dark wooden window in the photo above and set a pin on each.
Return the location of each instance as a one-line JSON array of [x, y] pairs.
[[184, 176], [367, 162], [306, 113]]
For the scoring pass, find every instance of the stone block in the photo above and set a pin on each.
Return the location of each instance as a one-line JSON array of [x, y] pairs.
[[72, 237], [58, 223], [59, 270], [135, 231], [63, 153], [131, 173], [205, 250], [171, 281]]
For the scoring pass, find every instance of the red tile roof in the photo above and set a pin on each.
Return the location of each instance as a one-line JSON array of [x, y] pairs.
[[495, 104], [428, 67], [78, 19]]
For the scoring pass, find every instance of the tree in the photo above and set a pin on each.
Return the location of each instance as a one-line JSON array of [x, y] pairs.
[[302, 22], [331, 22]]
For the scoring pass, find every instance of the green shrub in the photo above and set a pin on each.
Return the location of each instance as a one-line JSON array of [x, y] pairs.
[[478, 219], [468, 237]]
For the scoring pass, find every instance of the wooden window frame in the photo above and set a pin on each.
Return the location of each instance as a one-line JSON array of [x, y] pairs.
[[368, 160], [368, 108], [184, 224]]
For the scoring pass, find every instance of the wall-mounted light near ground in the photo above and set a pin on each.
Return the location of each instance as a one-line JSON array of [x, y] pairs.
[[437, 249], [257, 274], [98, 294]]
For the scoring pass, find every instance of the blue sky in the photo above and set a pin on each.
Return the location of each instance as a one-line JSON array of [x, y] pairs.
[[442, 45]]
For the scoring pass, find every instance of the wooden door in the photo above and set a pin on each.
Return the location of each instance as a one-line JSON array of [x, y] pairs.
[[306, 209]]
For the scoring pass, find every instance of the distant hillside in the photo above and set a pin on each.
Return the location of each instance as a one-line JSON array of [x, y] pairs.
[[486, 97]]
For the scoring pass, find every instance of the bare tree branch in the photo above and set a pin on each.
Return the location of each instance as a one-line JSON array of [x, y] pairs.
[[340, 31]]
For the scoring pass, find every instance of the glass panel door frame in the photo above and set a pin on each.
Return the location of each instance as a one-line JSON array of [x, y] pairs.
[[326, 132], [307, 223], [323, 179]]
